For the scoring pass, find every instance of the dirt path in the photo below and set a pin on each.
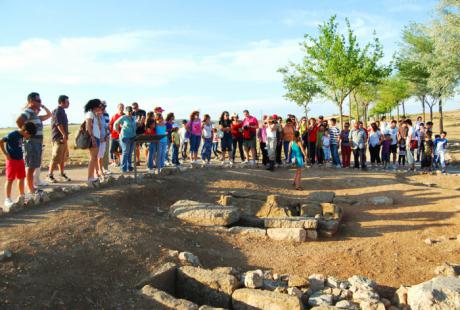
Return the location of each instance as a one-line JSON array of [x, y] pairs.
[[89, 250]]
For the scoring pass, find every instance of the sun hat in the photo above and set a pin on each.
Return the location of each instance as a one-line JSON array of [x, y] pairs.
[[158, 110]]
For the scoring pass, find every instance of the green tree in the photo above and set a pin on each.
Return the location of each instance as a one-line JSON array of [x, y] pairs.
[[338, 63], [391, 94], [301, 87]]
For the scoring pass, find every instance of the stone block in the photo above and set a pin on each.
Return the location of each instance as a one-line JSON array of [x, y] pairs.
[[287, 234], [248, 231], [291, 222], [204, 214], [311, 209], [162, 278], [250, 299], [166, 300]]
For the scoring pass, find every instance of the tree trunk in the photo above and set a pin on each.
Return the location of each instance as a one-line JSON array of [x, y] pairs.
[[431, 112], [423, 108], [441, 116], [341, 114], [403, 108], [349, 108], [357, 107], [365, 115], [397, 112]]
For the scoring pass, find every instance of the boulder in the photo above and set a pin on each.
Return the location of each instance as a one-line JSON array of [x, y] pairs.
[[312, 234], [438, 293], [311, 209], [5, 255], [248, 231], [331, 210], [333, 282], [164, 299], [448, 269], [321, 196], [250, 221], [162, 278], [320, 299], [189, 259], [381, 201], [328, 228], [249, 299], [287, 234], [317, 282], [275, 206], [298, 281], [248, 206], [294, 291], [254, 279], [205, 287], [400, 296], [291, 222], [361, 281], [344, 200], [344, 304], [204, 214], [227, 270]]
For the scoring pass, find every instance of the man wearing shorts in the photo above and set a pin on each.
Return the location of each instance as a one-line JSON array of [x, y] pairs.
[[140, 116], [59, 136], [250, 125], [33, 146]]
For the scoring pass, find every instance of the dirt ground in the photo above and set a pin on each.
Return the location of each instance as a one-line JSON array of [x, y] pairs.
[[89, 250]]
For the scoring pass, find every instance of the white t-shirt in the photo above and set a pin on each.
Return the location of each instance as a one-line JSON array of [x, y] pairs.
[[374, 138], [183, 134], [207, 131], [394, 135], [271, 134], [384, 127], [326, 141], [96, 129], [411, 134]]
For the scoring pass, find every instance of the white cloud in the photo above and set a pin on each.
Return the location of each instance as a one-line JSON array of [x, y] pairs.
[[124, 59]]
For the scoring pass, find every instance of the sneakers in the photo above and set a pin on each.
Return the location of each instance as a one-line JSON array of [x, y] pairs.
[[51, 179], [65, 177], [40, 183], [21, 200], [8, 202]]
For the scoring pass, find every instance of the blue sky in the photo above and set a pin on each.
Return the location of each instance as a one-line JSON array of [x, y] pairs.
[[181, 55]]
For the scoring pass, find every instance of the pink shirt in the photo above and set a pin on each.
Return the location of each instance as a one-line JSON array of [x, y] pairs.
[[251, 121], [195, 127]]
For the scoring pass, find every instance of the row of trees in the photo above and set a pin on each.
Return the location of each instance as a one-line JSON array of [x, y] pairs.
[[336, 67]]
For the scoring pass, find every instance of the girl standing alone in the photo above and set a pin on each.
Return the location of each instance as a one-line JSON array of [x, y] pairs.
[[296, 150]]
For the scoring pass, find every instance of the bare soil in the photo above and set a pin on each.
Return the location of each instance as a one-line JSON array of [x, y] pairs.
[[88, 251]]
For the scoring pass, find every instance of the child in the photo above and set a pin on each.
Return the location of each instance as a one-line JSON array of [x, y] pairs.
[[326, 142], [427, 154], [15, 167], [440, 145], [402, 152], [386, 150], [207, 135], [215, 142], [296, 150], [184, 139], [175, 140]]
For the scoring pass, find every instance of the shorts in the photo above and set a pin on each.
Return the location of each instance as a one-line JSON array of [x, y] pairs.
[[194, 143], [33, 153], [393, 148], [60, 152], [98, 143], [15, 169], [226, 144], [115, 146], [101, 152], [251, 143]]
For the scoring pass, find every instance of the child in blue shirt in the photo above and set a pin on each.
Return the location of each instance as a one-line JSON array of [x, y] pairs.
[[11, 147], [440, 146]]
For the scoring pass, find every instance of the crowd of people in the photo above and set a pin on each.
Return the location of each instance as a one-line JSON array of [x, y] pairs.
[[272, 140]]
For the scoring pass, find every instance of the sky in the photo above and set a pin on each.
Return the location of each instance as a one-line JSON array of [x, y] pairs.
[[180, 55]]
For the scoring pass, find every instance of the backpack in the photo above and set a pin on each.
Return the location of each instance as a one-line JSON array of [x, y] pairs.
[[83, 139]]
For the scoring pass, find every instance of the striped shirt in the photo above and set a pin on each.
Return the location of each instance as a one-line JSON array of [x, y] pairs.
[[29, 115], [334, 134]]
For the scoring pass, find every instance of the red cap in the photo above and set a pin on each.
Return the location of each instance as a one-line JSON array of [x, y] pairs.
[[274, 116], [158, 110]]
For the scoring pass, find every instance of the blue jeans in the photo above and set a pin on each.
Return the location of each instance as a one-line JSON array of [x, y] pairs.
[[335, 154], [175, 154], [162, 149], [194, 143], [286, 151], [127, 149], [206, 151], [152, 155], [215, 146]]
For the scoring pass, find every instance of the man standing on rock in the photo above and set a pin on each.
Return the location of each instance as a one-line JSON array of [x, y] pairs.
[[59, 136], [250, 125], [33, 146]]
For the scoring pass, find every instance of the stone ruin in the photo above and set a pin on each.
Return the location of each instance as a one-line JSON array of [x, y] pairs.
[[184, 284], [258, 215]]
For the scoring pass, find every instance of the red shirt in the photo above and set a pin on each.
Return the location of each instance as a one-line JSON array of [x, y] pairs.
[[114, 134], [312, 134], [235, 128], [252, 122]]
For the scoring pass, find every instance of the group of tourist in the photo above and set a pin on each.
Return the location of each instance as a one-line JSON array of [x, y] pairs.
[[112, 141]]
